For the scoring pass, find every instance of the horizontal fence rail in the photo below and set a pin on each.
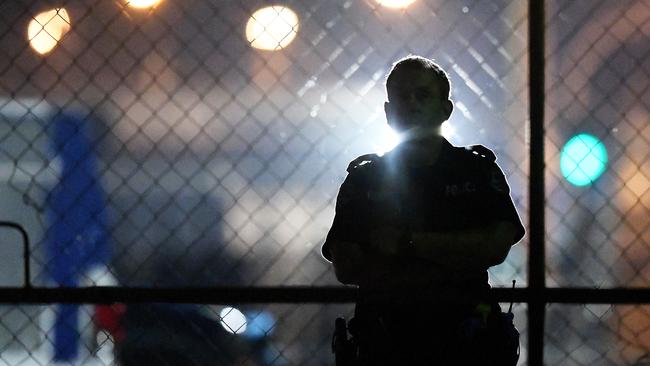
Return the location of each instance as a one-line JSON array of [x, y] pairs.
[[303, 294]]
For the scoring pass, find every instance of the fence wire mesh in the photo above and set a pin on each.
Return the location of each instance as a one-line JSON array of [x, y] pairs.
[[218, 163], [598, 232], [597, 335], [221, 161], [199, 160]]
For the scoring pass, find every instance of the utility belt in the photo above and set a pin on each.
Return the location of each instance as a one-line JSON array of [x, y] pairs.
[[484, 335]]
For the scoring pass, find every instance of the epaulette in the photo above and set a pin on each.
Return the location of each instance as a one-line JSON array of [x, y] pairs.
[[482, 151], [361, 161]]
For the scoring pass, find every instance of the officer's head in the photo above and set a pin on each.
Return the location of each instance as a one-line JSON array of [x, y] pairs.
[[418, 94]]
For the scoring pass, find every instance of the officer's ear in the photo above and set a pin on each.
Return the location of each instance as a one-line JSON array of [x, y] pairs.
[[390, 113], [448, 107]]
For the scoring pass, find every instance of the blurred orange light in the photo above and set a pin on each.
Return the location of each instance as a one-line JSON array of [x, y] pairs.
[[141, 4], [396, 3], [46, 29], [272, 28]]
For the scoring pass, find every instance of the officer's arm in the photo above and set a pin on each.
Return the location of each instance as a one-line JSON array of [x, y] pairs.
[[347, 260], [353, 266], [481, 247]]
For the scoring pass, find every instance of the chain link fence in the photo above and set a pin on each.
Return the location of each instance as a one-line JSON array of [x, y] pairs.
[[197, 159], [598, 233]]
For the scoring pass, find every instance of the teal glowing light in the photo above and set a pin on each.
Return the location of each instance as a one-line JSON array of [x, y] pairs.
[[583, 159]]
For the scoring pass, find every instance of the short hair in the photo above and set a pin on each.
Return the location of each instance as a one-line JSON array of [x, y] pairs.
[[422, 63]]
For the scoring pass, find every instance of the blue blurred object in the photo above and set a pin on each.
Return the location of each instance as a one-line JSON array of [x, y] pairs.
[[77, 236], [260, 324]]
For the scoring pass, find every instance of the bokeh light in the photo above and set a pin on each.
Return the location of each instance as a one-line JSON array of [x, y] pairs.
[[142, 4], [583, 159], [396, 3], [46, 29], [272, 28], [233, 320]]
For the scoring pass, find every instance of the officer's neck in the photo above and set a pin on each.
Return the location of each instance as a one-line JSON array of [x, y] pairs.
[[422, 152]]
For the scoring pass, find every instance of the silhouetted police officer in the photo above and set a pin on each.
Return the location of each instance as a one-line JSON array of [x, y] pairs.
[[427, 218]]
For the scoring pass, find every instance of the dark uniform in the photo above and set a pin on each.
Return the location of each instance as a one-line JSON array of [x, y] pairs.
[[463, 189]]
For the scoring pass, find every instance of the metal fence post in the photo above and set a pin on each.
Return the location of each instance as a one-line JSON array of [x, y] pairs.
[[536, 253]]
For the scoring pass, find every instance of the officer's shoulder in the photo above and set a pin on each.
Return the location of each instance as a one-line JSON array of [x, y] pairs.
[[479, 152], [364, 163]]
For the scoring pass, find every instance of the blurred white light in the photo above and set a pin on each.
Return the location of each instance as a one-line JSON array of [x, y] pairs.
[[232, 320], [396, 3], [272, 28], [46, 29], [388, 140], [141, 4], [447, 130]]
